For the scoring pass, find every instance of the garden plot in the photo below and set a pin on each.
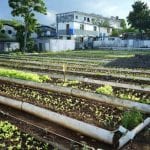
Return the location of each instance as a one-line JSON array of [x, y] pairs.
[[75, 102], [134, 93], [99, 76], [93, 54], [81, 109], [51, 61], [85, 102], [57, 59], [79, 67]]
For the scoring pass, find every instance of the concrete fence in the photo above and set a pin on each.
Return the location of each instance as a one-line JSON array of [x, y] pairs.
[[55, 44], [117, 42]]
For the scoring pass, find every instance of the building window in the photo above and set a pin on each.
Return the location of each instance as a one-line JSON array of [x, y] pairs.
[[9, 32], [84, 18], [76, 17], [108, 30], [69, 38], [81, 39], [3, 31], [95, 28], [67, 29], [8, 45], [81, 27], [93, 20], [88, 19]]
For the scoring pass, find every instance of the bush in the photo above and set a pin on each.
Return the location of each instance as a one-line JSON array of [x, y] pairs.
[[106, 89], [131, 119]]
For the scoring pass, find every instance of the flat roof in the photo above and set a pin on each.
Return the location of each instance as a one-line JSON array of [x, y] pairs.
[[89, 14]]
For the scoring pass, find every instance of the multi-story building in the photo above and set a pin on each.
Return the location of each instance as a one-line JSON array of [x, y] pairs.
[[83, 26]]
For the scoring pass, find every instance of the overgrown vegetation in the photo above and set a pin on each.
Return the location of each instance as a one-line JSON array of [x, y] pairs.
[[131, 118], [23, 75]]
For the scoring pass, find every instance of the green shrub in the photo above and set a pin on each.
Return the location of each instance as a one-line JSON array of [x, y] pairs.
[[131, 119], [106, 89]]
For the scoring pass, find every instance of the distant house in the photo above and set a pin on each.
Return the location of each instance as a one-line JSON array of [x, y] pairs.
[[46, 32], [83, 26], [46, 40], [8, 40]]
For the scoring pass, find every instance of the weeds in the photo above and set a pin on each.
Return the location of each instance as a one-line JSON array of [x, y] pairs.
[[131, 118]]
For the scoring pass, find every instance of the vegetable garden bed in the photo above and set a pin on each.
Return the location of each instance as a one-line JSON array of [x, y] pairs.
[[93, 112], [67, 103]]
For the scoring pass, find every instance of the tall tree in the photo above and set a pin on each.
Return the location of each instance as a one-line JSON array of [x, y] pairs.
[[20, 35], [123, 24], [105, 23], [26, 9], [139, 17]]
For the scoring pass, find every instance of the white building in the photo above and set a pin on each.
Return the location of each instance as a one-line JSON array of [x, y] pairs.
[[83, 26], [46, 40]]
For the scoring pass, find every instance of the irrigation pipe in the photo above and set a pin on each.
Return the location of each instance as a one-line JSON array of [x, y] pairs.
[[82, 127], [131, 134]]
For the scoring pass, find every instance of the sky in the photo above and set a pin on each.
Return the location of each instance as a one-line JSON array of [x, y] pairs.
[[106, 8]]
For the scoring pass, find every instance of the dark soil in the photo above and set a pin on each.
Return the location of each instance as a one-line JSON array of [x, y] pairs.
[[138, 61]]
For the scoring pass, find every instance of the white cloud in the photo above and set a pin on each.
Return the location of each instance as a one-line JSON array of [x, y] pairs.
[[51, 16], [48, 19]]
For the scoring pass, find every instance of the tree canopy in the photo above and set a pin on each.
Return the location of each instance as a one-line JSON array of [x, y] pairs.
[[27, 9], [139, 17]]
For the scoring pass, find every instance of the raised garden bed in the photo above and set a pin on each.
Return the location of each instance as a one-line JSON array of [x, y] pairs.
[[74, 106], [92, 112]]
